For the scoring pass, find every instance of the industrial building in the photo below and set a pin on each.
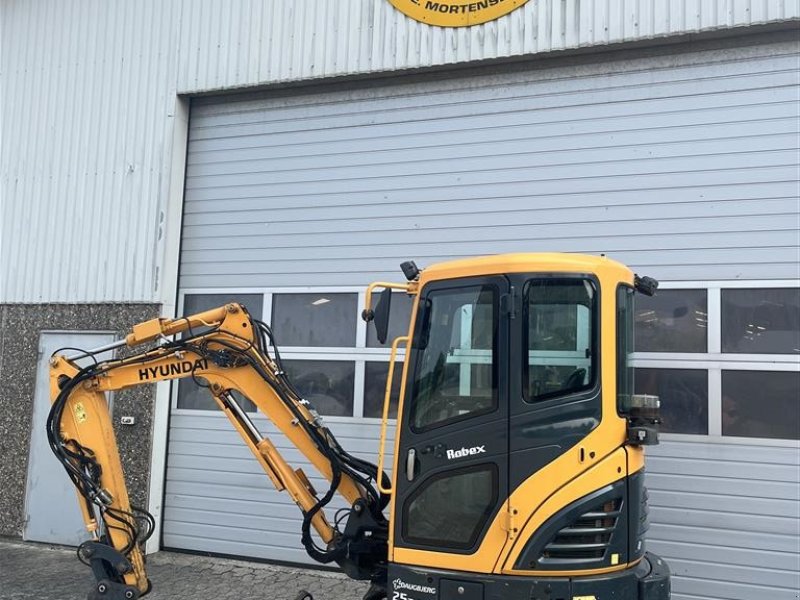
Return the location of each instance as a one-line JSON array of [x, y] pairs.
[[162, 157]]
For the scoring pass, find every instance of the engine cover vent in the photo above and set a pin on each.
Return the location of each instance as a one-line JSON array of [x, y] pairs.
[[590, 533], [586, 538]]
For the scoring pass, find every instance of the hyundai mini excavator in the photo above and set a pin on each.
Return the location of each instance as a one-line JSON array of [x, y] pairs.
[[518, 457]]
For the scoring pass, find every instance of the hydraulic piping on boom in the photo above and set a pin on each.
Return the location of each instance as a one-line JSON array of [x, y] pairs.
[[226, 351]]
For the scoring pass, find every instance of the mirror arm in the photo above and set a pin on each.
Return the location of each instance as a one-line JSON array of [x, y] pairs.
[[368, 314]]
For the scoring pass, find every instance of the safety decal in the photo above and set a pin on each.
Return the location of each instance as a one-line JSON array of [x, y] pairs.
[[80, 413]]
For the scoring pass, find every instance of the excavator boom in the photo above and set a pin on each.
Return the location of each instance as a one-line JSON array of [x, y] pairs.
[[227, 351]]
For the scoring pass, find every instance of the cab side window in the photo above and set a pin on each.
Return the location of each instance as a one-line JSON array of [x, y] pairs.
[[561, 319]]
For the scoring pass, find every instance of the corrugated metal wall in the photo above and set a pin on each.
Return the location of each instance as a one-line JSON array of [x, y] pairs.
[[666, 168], [666, 163], [727, 518], [218, 498], [88, 91], [88, 104], [279, 41]]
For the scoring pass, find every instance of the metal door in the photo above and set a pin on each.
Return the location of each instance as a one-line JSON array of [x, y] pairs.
[[452, 474], [51, 509]]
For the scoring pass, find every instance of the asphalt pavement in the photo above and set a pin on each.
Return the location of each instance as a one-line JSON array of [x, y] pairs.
[[43, 572]]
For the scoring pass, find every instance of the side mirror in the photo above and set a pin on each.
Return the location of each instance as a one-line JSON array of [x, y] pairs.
[[645, 285], [382, 315]]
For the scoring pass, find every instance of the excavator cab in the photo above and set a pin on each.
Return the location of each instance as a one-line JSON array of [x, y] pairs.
[[517, 471], [519, 467]]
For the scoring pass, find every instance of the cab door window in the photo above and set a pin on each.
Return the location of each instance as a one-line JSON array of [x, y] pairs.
[[561, 319], [455, 372], [451, 509]]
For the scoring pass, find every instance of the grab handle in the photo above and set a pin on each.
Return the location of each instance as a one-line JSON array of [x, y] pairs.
[[386, 401]]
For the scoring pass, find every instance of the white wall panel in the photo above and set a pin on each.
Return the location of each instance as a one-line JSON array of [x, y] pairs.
[[210, 472], [726, 517], [88, 92], [226, 44], [666, 163], [88, 110]]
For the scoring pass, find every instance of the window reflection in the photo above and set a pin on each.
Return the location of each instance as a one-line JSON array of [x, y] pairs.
[[455, 373], [561, 341], [762, 404], [671, 321], [190, 394], [683, 394], [315, 320], [761, 321], [625, 370], [450, 510], [328, 385], [375, 388]]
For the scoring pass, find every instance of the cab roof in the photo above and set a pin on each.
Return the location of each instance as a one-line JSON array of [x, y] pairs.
[[539, 262]]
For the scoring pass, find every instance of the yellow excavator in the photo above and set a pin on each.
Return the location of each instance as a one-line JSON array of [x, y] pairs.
[[518, 457]]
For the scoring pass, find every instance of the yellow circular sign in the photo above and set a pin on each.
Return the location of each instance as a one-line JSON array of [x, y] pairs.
[[456, 13]]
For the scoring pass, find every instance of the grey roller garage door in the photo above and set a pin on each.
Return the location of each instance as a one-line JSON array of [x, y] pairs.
[[666, 163]]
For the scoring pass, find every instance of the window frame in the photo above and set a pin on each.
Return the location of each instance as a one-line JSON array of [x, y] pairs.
[[714, 361]]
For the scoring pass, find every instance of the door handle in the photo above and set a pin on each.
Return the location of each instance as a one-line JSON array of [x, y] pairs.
[[411, 459]]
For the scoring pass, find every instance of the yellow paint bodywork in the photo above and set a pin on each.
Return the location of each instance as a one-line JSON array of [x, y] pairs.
[[567, 478]]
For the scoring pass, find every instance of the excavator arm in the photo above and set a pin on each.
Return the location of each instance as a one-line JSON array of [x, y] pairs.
[[231, 354]]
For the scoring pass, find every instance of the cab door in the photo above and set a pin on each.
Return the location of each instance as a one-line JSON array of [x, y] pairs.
[[451, 478], [557, 401]]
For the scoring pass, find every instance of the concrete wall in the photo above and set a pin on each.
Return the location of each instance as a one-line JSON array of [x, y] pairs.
[[19, 341]]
